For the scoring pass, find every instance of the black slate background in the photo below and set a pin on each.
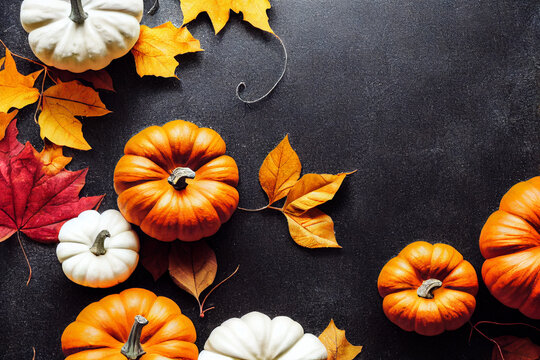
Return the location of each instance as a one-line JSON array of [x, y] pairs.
[[434, 102]]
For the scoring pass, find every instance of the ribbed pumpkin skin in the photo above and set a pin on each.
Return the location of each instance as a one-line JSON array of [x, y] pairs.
[[510, 242], [453, 303], [149, 201], [102, 328]]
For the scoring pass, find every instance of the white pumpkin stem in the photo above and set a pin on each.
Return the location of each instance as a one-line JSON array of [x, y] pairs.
[[179, 176], [132, 349], [98, 248], [425, 290], [77, 12]]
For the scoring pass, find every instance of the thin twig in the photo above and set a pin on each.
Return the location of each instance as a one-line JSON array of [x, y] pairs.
[[507, 324], [22, 57], [473, 327], [154, 8], [242, 85], [275, 208], [214, 288], [34, 350], [253, 210], [25, 257]]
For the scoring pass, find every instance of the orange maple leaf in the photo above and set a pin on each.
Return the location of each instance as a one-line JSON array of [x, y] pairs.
[[337, 345], [156, 48], [17, 90], [254, 11], [60, 104], [53, 158]]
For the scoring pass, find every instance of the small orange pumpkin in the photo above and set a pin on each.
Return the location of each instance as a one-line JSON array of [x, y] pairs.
[[135, 324], [428, 288], [510, 242], [175, 182]]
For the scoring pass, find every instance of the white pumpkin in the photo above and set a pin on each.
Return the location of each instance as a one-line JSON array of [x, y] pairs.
[[80, 35], [98, 250], [255, 336]]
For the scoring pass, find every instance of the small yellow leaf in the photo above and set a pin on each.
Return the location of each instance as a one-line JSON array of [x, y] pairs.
[[280, 171], [5, 119], [254, 11], [16, 90], [53, 158], [61, 103], [337, 345], [312, 190], [313, 229], [156, 48]]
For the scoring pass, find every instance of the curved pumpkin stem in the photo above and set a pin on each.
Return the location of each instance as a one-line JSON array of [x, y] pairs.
[[132, 349], [179, 176], [425, 290], [77, 12], [98, 248]]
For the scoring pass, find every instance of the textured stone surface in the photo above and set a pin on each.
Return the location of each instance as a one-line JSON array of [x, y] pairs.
[[434, 102]]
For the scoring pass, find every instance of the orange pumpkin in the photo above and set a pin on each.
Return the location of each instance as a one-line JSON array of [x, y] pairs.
[[510, 242], [135, 324], [175, 182], [428, 288]]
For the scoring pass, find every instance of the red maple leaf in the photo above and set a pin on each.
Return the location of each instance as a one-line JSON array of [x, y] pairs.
[[31, 201]]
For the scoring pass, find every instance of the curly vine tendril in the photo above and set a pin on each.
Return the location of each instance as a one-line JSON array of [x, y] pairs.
[[242, 85]]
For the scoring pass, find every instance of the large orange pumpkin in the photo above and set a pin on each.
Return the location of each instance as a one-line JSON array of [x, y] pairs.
[[175, 181], [428, 288], [510, 242], [135, 324]]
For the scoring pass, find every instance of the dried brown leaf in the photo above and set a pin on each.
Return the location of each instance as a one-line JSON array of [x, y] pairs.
[[514, 348], [192, 266]]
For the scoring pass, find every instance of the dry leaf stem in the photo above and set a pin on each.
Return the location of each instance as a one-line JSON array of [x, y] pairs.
[[203, 311], [25, 257], [474, 327], [261, 208]]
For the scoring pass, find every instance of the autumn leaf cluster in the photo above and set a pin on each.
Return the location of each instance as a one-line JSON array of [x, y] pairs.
[[279, 177], [58, 106]]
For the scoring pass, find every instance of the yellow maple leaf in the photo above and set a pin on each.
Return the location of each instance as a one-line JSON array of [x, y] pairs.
[[337, 345], [254, 11], [53, 158], [17, 90], [156, 48], [5, 119], [60, 104]]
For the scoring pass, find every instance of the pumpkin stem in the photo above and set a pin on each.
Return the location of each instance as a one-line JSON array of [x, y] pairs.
[[77, 12], [424, 291], [132, 349], [98, 248], [179, 176]]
